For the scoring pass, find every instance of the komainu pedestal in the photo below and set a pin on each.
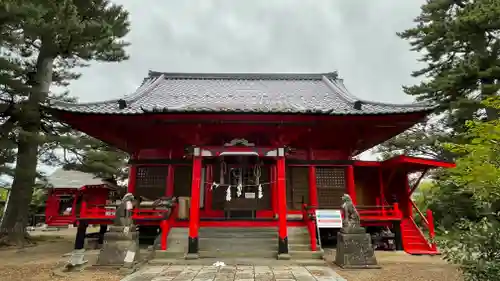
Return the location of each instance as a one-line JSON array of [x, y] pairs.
[[354, 249], [121, 247]]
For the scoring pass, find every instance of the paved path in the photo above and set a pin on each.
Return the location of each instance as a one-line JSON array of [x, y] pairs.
[[234, 273]]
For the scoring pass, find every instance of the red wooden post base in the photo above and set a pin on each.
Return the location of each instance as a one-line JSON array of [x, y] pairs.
[[283, 235], [194, 213]]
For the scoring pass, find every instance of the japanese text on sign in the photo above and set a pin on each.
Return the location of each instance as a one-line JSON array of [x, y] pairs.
[[328, 219]]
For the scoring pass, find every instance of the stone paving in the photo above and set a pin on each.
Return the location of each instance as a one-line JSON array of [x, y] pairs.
[[234, 273]]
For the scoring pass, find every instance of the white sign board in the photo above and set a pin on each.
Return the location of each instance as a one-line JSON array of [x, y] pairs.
[[249, 195], [328, 219]]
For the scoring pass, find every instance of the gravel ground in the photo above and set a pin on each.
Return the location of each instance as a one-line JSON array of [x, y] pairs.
[[397, 266], [38, 263]]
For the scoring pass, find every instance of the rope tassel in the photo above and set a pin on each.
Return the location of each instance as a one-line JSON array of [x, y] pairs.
[[260, 195], [228, 193], [239, 190]]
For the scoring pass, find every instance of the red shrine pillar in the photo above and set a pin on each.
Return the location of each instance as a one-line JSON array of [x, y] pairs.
[[351, 186], [313, 191], [274, 196], [170, 181], [132, 174], [169, 192], [194, 211], [281, 192]]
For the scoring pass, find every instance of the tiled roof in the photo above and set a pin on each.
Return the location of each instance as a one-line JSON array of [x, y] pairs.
[[246, 93], [61, 178]]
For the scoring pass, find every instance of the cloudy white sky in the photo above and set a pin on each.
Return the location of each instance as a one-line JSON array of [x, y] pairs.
[[357, 38]]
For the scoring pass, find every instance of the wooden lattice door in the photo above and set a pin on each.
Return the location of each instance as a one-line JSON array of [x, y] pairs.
[[151, 181], [331, 185], [297, 187]]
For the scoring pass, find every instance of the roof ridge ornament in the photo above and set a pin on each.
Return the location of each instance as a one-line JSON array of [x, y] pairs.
[[358, 105], [239, 142], [122, 104]]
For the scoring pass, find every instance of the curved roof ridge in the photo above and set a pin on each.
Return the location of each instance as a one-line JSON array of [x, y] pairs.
[[243, 76], [341, 90], [414, 104], [145, 88], [344, 93], [139, 92]]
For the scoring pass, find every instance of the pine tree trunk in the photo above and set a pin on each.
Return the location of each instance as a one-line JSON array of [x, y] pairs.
[[14, 222]]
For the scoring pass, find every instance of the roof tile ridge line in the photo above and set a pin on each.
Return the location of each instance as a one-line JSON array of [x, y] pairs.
[[342, 93], [239, 75], [405, 105], [136, 93], [144, 89]]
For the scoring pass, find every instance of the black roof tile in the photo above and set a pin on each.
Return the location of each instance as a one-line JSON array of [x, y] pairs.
[[246, 93]]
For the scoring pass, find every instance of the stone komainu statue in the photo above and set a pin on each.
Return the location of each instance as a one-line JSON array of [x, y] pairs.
[[123, 215], [351, 215]]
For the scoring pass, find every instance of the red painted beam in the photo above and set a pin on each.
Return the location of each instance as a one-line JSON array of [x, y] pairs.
[[170, 181], [281, 188], [351, 185], [132, 175], [194, 211]]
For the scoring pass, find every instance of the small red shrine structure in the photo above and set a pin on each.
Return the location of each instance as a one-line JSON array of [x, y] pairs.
[[257, 150], [69, 192]]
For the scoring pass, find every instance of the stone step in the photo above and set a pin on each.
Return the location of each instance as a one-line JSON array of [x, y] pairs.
[[295, 255], [240, 229], [248, 240], [253, 253], [299, 247], [306, 254], [241, 235], [219, 254], [239, 261]]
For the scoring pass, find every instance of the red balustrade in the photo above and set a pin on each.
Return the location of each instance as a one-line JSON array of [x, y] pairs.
[[308, 215], [379, 213], [166, 225]]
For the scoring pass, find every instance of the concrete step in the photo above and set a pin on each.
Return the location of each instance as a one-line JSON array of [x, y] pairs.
[[295, 255], [300, 247], [239, 235], [239, 261], [249, 240], [238, 229], [253, 253], [306, 254], [219, 254]]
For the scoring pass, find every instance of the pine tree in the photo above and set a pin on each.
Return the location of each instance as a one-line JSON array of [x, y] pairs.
[[51, 39], [461, 50], [475, 248], [95, 157]]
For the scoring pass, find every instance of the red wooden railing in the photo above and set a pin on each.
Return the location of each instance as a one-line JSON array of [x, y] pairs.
[[166, 226], [308, 215], [379, 212], [108, 212], [428, 223]]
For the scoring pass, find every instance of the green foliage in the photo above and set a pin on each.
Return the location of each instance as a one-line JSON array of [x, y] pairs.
[[99, 159], [68, 33], [4, 193], [478, 169], [475, 244], [42, 43], [462, 52], [460, 48], [475, 248]]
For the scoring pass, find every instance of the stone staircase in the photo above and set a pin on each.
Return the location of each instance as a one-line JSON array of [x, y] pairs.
[[233, 243]]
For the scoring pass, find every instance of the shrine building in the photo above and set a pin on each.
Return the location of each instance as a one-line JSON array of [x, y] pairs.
[[259, 152]]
